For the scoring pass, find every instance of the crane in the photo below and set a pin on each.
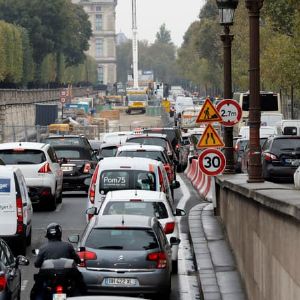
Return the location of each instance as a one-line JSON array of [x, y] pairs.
[[134, 47]]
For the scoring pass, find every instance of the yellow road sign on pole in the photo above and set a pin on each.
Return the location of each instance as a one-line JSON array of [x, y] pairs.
[[208, 113], [210, 138]]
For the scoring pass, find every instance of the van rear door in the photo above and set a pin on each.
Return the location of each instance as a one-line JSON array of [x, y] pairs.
[[8, 213]]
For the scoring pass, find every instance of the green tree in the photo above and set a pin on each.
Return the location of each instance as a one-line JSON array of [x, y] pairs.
[[163, 35]]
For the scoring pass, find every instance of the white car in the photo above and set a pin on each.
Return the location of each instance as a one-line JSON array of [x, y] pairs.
[[116, 137], [42, 172], [148, 203], [297, 178], [127, 173], [15, 209]]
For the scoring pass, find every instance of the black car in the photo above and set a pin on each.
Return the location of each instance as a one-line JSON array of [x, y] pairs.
[[280, 158], [77, 163], [10, 274], [69, 139]]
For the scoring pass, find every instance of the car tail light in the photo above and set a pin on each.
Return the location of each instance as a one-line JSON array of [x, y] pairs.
[[177, 146], [59, 289], [270, 157], [19, 214], [45, 168], [87, 168], [92, 191], [161, 180], [86, 255], [168, 168], [160, 258], [3, 282], [169, 227]]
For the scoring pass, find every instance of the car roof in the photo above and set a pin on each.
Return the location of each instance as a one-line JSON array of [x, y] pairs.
[[64, 136], [158, 135], [125, 195], [7, 170], [109, 145], [134, 163], [134, 147], [24, 145], [133, 221]]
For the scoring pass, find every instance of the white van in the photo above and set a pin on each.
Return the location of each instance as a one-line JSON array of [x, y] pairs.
[[264, 131], [180, 104], [127, 173], [15, 209], [289, 127]]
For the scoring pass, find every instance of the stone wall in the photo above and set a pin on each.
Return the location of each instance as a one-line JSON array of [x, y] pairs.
[[262, 225]]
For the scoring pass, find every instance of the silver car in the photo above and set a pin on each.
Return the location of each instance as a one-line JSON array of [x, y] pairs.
[[127, 255]]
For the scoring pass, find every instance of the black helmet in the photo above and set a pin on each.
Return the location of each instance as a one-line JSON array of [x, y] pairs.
[[54, 232]]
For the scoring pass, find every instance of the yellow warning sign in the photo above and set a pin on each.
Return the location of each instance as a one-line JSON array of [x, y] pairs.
[[210, 138], [208, 113]]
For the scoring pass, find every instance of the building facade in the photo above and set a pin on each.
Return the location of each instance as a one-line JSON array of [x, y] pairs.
[[102, 15]]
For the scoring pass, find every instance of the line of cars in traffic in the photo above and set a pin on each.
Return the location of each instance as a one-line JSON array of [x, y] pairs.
[[140, 180]]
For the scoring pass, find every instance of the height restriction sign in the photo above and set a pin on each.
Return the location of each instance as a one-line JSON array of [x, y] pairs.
[[230, 112]]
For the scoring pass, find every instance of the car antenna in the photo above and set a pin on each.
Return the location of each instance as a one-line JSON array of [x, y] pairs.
[[123, 222]]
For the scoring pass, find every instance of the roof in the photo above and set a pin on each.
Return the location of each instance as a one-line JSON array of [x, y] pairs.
[[134, 147], [125, 220], [159, 135], [135, 163], [125, 195], [24, 145]]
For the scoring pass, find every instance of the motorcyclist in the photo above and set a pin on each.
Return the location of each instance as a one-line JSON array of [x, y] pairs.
[[55, 248]]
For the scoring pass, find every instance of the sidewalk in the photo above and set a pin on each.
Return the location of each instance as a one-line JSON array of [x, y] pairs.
[[215, 262]]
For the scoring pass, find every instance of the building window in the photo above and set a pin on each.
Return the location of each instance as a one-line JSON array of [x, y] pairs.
[[98, 22], [99, 47], [100, 73], [98, 8]]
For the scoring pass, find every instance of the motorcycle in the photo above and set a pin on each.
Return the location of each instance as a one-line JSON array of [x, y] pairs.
[[57, 279]]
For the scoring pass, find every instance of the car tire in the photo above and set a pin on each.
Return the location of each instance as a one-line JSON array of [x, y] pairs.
[[179, 168], [164, 295], [52, 203], [59, 198], [28, 238], [174, 266], [21, 250]]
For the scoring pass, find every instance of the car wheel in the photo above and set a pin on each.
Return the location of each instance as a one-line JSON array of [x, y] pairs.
[[28, 238], [52, 203], [59, 199], [179, 168], [164, 295], [21, 246], [174, 266]]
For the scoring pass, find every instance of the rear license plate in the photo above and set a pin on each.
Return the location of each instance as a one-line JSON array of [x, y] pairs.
[[120, 281], [66, 169], [295, 162], [59, 296]]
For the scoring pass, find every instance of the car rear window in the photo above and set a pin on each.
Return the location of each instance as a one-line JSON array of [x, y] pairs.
[[66, 141], [156, 155], [73, 154], [121, 239], [285, 145], [151, 209], [109, 151], [22, 156], [126, 179], [149, 141]]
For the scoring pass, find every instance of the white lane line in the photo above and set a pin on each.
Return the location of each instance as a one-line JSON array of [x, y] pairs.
[[185, 191], [58, 208], [24, 285]]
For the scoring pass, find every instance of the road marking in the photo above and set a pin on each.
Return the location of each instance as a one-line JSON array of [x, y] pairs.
[[185, 191], [58, 208], [24, 285]]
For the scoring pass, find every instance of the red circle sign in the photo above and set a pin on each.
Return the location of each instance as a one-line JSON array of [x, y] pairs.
[[230, 112], [212, 162]]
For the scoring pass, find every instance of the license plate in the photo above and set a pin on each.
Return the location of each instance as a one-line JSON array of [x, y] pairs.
[[137, 104], [120, 281], [66, 168], [59, 296], [295, 162]]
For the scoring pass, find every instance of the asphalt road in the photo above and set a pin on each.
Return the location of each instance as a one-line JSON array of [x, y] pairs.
[[71, 215]]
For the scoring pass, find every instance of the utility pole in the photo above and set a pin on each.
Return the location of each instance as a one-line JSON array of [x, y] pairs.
[[134, 47]]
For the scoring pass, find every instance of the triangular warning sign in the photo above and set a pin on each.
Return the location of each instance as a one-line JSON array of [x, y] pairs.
[[210, 138], [208, 113]]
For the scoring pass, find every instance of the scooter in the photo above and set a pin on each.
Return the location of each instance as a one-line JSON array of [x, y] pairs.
[[57, 279]]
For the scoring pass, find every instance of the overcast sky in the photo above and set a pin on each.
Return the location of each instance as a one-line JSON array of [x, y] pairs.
[[151, 14]]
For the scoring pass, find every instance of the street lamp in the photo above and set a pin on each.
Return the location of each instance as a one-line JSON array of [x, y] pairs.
[[254, 165], [226, 13]]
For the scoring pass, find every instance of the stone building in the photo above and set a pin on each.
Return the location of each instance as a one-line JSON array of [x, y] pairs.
[[102, 15]]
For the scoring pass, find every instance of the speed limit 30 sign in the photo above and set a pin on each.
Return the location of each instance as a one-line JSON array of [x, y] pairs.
[[212, 162]]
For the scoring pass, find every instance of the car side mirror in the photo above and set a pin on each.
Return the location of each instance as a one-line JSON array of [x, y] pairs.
[[92, 211], [87, 181], [74, 239], [22, 260], [174, 241], [180, 212], [175, 184]]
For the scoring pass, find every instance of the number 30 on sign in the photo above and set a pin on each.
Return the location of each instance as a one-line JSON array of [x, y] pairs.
[[212, 162]]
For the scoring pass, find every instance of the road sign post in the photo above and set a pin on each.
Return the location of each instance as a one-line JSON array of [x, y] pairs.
[[212, 162]]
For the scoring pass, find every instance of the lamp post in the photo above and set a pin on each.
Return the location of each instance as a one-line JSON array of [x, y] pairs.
[[254, 165], [226, 13]]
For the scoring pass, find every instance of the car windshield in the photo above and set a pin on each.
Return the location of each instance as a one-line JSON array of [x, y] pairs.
[[156, 155], [126, 180], [121, 239], [285, 145], [22, 156], [151, 209], [72, 153], [149, 141]]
